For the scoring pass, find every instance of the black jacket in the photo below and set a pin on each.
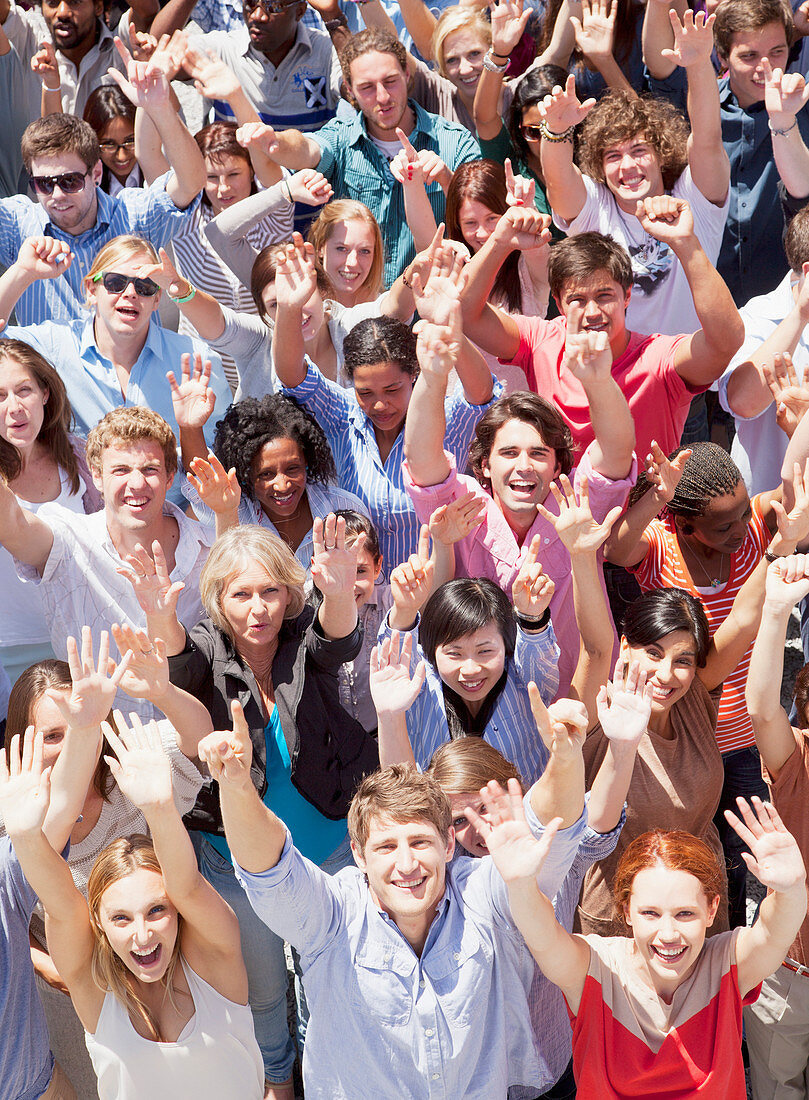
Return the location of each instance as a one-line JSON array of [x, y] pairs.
[[329, 750]]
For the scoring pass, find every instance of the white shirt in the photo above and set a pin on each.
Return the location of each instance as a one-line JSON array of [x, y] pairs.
[[760, 445], [80, 585]]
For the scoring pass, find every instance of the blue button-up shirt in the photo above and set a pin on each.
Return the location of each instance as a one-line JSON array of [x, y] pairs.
[[360, 469], [386, 1023], [145, 211], [357, 169], [92, 384]]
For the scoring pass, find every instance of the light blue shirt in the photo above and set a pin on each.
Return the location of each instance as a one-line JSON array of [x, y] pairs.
[[360, 469], [92, 383], [511, 729], [451, 1023], [145, 211]]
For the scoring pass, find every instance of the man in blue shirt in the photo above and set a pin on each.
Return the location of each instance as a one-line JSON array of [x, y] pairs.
[[62, 157], [355, 154]]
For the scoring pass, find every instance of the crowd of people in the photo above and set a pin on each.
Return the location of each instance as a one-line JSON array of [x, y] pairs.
[[404, 497]]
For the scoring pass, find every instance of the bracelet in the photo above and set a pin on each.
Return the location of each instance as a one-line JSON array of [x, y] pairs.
[[192, 290], [533, 622], [770, 556], [503, 56], [338, 21], [290, 199], [549, 135], [781, 133], [490, 64]]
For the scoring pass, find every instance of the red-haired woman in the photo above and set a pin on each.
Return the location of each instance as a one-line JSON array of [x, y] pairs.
[[657, 1014]]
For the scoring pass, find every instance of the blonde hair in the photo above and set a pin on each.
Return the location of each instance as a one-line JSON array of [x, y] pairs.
[[109, 972], [247, 545], [125, 247], [346, 210], [131, 424], [455, 19]]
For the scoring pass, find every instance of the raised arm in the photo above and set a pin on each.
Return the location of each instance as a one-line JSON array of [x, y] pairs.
[[658, 38], [408, 170], [334, 571], [426, 423], [628, 544], [786, 585], [291, 148], [559, 792], [411, 583], [509, 21], [295, 283], [23, 534], [156, 594], [595, 39], [561, 113], [394, 691], [38, 258], [701, 357], [785, 94]]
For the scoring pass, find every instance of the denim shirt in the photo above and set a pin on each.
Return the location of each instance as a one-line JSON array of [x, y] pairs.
[[385, 1023]]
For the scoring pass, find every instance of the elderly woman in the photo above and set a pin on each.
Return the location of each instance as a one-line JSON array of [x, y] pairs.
[[119, 354], [262, 648]]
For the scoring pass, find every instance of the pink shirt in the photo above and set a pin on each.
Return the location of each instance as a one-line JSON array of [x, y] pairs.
[[657, 397], [492, 551]]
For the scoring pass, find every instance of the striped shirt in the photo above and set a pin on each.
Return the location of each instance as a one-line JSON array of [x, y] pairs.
[[145, 211], [511, 728], [664, 567], [360, 469]]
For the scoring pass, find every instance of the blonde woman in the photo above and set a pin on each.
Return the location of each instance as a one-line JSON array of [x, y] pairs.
[[349, 252], [118, 354]]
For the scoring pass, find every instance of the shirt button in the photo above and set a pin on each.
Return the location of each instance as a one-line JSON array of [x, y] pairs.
[[436, 1076], [456, 955], [546, 541], [422, 983], [429, 1031]]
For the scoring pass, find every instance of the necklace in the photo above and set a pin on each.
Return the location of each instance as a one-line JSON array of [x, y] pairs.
[[713, 582]]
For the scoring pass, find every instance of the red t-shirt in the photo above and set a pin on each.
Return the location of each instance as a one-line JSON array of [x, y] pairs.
[[657, 397]]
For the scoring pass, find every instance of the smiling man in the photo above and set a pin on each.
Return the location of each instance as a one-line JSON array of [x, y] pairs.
[[80, 561]]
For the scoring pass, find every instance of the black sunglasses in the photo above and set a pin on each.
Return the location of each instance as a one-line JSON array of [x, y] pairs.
[[269, 7], [68, 182], [532, 133], [115, 283]]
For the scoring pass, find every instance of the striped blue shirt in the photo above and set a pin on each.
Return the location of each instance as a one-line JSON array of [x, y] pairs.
[[145, 211], [511, 728], [360, 469]]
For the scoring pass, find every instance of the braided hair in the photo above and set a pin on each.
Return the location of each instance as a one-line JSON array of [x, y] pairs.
[[708, 473]]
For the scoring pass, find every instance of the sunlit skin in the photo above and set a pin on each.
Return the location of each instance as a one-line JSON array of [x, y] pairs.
[[22, 405], [254, 604], [520, 469], [747, 51], [73, 26], [722, 528], [476, 222], [597, 304], [669, 916], [670, 664], [465, 832], [73, 214], [140, 923], [278, 476], [464, 51], [379, 85], [405, 864], [632, 171], [383, 393], [228, 180], [313, 316], [472, 664], [127, 315], [368, 571], [120, 161], [273, 35], [347, 258], [133, 482]]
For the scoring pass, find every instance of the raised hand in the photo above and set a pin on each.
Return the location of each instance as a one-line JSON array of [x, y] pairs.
[[776, 859], [785, 94], [46, 66], [519, 190], [666, 219], [334, 564], [148, 574], [260, 135], [664, 474], [587, 354], [295, 274], [438, 346], [393, 688], [192, 398], [212, 78], [452, 522], [516, 852], [411, 582], [508, 25], [562, 108], [140, 766], [791, 396], [146, 674], [562, 726], [25, 789], [94, 686], [595, 31], [217, 488], [405, 166], [309, 187], [787, 581], [165, 274], [693, 38], [228, 755], [145, 83], [532, 590], [575, 525], [522, 229], [168, 53], [437, 280], [43, 257], [793, 526], [625, 705], [143, 45]]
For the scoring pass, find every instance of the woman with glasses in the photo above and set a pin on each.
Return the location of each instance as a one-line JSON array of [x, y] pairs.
[[112, 116], [118, 354]]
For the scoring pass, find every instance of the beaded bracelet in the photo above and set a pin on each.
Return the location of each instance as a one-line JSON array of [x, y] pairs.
[[549, 135]]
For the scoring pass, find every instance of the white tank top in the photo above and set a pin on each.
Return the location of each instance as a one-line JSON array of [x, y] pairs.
[[215, 1058]]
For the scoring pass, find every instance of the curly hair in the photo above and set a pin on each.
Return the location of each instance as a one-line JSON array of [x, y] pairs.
[[619, 117], [250, 424], [132, 424]]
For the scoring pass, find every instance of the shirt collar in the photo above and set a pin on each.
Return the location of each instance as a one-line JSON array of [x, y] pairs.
[[302, 41], [358, 128]]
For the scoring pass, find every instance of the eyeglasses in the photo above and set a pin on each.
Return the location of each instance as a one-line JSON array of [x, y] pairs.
[[116, 146], [269, 7], [532, 133], [115, 283], [70, 183]]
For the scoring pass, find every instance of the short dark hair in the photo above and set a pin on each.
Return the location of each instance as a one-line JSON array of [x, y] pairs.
[[54, 135], [662, 610], [531, 90], [531, 409], [249, 424], [358, 524], [461, 607], [796, 240], [380, 340], [581, 256], [739, 16]]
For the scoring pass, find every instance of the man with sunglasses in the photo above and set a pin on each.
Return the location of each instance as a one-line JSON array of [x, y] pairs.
[[62, 157]]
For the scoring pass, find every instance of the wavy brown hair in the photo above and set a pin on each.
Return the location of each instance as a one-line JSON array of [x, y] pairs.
[[619, 117]]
